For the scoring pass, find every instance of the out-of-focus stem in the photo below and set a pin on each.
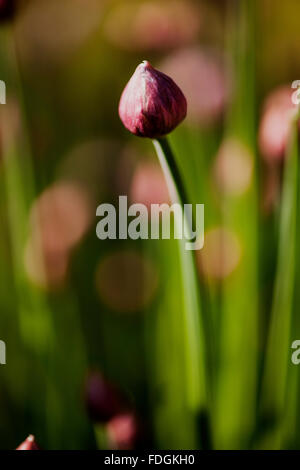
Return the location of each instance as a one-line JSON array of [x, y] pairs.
[[236, 389], [279, 372]]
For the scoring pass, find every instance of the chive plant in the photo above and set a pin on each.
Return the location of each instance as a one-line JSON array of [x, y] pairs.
[[151, 106], [220, 363]]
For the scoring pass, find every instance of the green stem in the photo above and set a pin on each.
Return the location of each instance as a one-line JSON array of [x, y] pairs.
[[196, 377], [236, 388], [171, 171], [276, 382]]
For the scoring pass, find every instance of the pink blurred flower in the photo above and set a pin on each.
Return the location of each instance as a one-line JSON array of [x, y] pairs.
[[151, 104], [123, 431], [29, 444], [59, 218], [233, 167], [154, 25], [200, 74], [148, 185], [62, 213], [275, 123]]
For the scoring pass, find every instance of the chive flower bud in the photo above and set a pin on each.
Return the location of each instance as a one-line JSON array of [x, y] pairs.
[[29, 444], [151, 105]]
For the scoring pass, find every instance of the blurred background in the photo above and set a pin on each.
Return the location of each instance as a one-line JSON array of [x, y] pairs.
[[96, 332]]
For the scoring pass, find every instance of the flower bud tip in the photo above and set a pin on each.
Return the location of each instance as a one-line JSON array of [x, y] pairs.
[[151, 105]]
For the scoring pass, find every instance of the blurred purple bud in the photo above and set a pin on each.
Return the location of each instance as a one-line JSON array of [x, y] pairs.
[[151, 105], [102, 399]]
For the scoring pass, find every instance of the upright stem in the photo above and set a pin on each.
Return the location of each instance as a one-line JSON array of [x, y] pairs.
[[171, 171], [238, 330], [280, 378], [193, 331]]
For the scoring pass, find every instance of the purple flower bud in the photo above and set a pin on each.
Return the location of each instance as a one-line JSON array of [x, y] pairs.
[[29, 444], [151, 105], [102, 399], [7, 8]]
